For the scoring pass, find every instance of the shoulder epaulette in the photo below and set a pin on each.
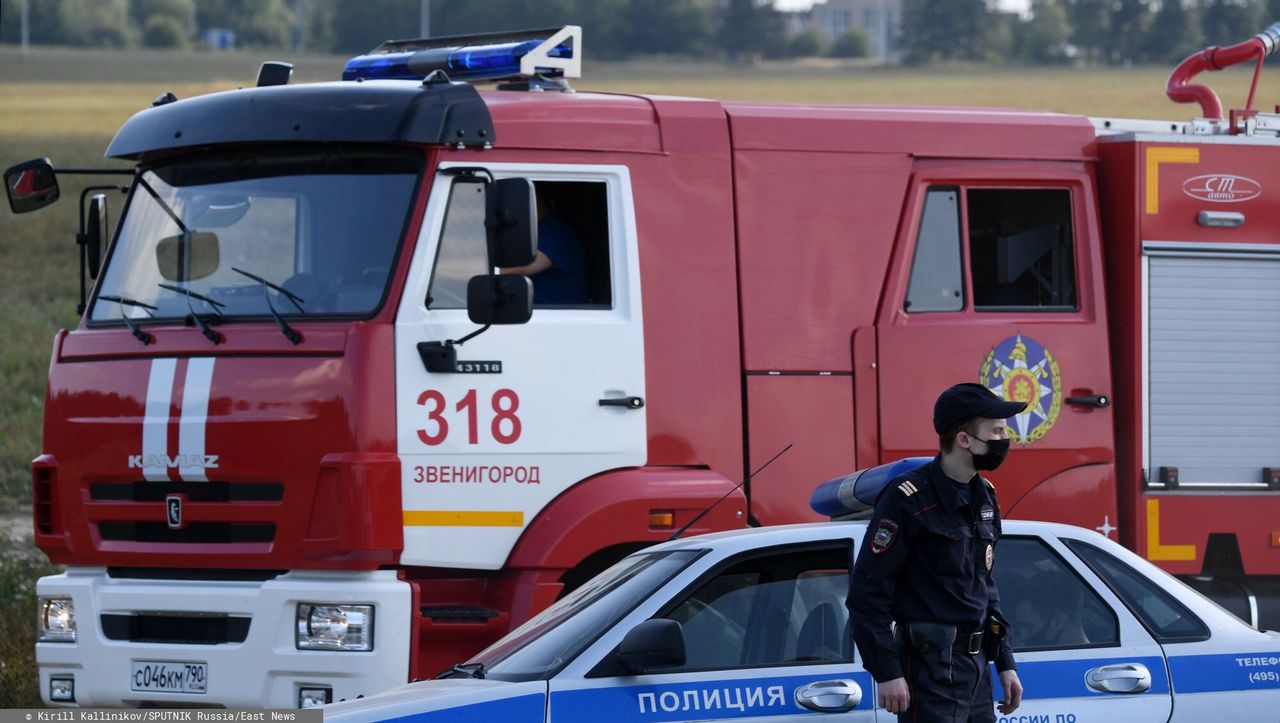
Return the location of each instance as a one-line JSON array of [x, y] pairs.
[[908, 488], [989, 485]]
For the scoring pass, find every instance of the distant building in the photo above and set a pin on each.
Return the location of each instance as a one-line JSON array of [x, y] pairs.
[[881, 20], [220, 38]]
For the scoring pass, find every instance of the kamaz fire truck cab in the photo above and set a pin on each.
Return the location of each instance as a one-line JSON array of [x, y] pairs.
[[309, 442]]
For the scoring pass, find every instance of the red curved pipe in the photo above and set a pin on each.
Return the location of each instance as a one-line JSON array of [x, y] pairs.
[[1214, 58]]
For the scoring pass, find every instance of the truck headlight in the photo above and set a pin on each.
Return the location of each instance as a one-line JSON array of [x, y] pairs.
[[57, 620], [334, 626]]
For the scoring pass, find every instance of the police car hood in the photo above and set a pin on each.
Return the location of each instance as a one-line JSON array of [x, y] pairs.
[[454, 699]]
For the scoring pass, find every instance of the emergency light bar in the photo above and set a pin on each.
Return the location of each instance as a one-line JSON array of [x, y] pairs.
[[858, 491], [550, 52]]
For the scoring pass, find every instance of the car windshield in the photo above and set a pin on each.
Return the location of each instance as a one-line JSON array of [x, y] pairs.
[[321, 224], [549, 641]]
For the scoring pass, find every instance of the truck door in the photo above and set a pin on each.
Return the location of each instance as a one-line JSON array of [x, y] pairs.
[[533, 408], [997, 279]]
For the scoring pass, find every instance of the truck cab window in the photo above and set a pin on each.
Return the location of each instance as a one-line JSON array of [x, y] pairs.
[[1021, 249], [572, 269], [936, 281]]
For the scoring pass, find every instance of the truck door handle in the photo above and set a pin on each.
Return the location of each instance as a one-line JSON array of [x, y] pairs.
[[830, 696], [628, 402], [1097, 400], [1119, 678]]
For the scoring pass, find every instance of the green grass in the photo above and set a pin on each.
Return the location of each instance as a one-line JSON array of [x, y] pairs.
[[20, 565]]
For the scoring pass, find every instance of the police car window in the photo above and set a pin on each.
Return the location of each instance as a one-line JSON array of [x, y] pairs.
[[1047, 604], [1168, 620], [550, 640], [781, 608], [936, 281], [573, 234], [1021, 249]]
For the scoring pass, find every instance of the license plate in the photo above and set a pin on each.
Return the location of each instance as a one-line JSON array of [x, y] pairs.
[[163, 676]]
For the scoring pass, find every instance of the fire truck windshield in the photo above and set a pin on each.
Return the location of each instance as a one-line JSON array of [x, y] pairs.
[[321, 226]]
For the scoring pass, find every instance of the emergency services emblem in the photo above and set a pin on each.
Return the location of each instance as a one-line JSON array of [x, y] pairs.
[[886, 533], [991, 556], [1021, 370]]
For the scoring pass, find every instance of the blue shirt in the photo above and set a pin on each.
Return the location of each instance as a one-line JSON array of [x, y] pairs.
[[566, 281]]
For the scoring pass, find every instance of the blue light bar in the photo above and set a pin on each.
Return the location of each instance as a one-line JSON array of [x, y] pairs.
[[858, 491], [474, 62]]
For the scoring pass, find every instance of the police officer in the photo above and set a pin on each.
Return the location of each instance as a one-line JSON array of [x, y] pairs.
[[926, 613]]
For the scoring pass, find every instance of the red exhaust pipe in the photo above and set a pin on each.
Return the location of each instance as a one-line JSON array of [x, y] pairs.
[[1216, 58]]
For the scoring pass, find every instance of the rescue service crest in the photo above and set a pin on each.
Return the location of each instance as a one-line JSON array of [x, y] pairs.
[[1019, 369]]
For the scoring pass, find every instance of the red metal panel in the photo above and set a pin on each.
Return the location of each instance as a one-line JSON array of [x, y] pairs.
[[815, 232], [816, 414], [573, 121], [1190, 178], [613, 508], [920, 131], [1119, 199]]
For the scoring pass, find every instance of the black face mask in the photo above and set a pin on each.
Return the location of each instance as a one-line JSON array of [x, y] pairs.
[[997, 450]]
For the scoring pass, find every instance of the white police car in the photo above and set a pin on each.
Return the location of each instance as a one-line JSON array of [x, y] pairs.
[[752, 624]]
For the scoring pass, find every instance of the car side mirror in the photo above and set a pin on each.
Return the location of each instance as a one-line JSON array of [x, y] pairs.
[[495, 299], [96, 229], [512, 221], [31, 185], [657, 643]]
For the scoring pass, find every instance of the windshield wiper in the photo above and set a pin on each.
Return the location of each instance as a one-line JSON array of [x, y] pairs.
[[463, 670], [285, 329], [200, 323], [141, 335]]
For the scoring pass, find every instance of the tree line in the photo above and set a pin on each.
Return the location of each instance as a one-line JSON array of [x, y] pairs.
[[1053, 31]]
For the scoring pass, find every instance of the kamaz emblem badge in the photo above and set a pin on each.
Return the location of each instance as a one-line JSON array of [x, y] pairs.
[[1021, 370], [173, 510]]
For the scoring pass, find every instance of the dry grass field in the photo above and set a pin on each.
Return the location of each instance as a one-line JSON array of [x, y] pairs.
[[66, 104]]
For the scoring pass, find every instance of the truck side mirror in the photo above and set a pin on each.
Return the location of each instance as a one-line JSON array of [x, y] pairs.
[[495, 299], [657, 643], [31, 185], [96, 229], [512, 222]]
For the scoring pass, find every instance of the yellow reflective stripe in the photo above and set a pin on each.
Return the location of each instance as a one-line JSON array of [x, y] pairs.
[[1164, 154], [462, 518], [1157, 550]]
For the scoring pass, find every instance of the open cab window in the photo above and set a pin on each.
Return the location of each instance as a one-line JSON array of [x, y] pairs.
[[573, 246], [324, 224], [1021, 250]]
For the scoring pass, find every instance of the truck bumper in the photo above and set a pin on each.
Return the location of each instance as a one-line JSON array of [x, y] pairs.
[[265, 670]]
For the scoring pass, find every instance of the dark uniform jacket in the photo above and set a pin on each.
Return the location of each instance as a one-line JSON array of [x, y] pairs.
[[927, 557]]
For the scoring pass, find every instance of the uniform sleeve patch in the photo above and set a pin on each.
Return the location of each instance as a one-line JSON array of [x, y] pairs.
[[886, 533]]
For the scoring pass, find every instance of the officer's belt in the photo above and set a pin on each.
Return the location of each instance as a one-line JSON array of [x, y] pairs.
[[970, 643]]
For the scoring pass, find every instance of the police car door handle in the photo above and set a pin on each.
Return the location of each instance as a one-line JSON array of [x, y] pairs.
[[1120, 678], [830, 696], [628, 402], [1096, 400]]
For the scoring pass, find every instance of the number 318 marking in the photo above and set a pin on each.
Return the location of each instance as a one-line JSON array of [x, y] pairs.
[[505, 427]]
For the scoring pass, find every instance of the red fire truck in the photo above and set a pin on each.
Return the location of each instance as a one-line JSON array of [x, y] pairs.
[[374, 370]]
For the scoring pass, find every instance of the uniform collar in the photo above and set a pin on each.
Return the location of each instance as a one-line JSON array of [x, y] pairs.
[[946, 488]]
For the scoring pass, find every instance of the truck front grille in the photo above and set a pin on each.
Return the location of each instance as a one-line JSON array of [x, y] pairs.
[[193, 491], [192, 533], [175, 629]]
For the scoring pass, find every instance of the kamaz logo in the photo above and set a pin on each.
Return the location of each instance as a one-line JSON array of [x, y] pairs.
[[173, 511], [181, 461]]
